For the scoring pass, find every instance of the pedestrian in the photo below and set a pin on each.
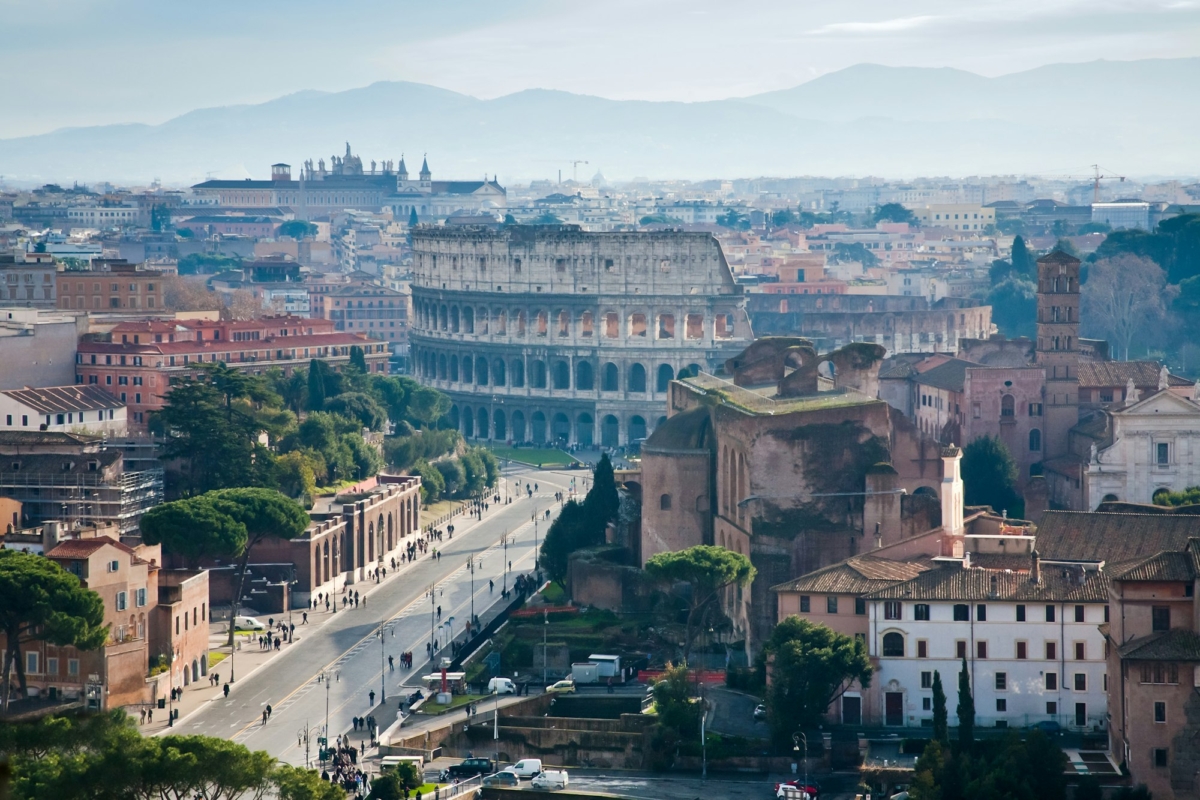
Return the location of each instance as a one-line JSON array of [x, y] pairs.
[[150, 714], [304, 618], [371, 694], [268, 710], [391, 666], [354, 722], [264, 722], [143, 717], [227, 690]]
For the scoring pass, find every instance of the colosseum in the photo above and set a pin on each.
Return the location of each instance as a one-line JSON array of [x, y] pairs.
[[552, 334]]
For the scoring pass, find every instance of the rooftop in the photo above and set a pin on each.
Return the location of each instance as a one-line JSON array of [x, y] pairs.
[[54, 399], [1173, 645], [956, 582], [763, 399], [1093, 536], [856, 575]]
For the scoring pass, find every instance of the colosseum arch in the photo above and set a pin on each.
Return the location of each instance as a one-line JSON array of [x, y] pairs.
[[637, 427], [518, 373], [468, 319], [610, 380], [637, 378], [537, 374], [563, 324], [441, 366], [666, 374], [560, 428], [454, 367], [584, 380], [468, 422], [585, 429], [454, 420], [537, 428], [454, 319], [499, 425], [520, 331], [610, 431], [501, 322], [481, 429], [499, 372], [481, 371], [518, 426], [562, 375], [443, 317], [468, 371], [481, 321]]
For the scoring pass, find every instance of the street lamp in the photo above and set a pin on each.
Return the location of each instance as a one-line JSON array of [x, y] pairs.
[[383, 627], [796, 739], [471, 569], [545, 628], [504, 566], [302, 739]]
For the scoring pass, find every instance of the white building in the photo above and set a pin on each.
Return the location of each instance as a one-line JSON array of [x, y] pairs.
[[1150, 444], [89, 216], [63, 409], [1031, 642]]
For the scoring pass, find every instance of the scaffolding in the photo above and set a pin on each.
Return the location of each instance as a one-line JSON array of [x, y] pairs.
[[85, 499]]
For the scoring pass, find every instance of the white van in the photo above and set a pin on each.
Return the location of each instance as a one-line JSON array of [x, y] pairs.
[[389, 762], [501, 686], [550, 779], [526, 768], [249, 624]]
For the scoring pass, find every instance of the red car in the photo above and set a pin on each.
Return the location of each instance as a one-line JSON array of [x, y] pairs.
[[812, 789]]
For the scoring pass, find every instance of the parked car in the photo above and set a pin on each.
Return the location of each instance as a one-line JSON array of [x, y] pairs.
[[565, 687], [797, 785], [526, 768], [502, 686], [502, 778], [551, 779], [760, 712], [249, 624], [470, 768], [1047, 726]]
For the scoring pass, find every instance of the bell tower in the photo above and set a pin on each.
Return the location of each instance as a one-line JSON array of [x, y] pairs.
[[1058, 347]]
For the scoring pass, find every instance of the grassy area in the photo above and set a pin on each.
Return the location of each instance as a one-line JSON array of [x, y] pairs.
[[456, 701], [425, 790], [215, 658], [334, 488], [554, 594], [534, 456], [434, 510]]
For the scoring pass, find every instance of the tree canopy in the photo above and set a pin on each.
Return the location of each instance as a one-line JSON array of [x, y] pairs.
[[40, 601], [706, 570], [989, 476], [894, 212], [297, 229], [811, 667]]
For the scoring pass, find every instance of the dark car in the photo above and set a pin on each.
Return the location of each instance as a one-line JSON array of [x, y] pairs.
[[1047, 726], [502, 778], [470, 768]]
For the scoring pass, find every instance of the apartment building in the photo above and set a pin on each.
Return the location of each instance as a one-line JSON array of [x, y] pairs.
[[111, 285], [28, 280], [956, 216], [62, 409]]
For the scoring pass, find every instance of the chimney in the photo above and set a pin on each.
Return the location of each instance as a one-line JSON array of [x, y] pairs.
[[1035, 569], [952, 503], [878, 537]]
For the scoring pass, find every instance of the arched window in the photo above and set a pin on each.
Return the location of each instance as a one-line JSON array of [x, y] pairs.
[[893, 645], [468, 319], [537, 374], [468, 373], [610, 381], [454, 319], [664, 502], [665, 375], [481, 371], [1035, 440], [518, 373], [454, 368], [637, 378], [583, 376], [1007, 406], [562, 375], [498, 372]]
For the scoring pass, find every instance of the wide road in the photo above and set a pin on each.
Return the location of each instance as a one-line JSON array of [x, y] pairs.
[[347, 648]]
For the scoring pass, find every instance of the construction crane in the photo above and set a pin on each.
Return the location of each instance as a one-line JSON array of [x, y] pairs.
[[575, 170], [1098, 174]]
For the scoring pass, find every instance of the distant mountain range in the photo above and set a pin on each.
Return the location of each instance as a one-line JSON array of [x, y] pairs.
[[1137, 118]]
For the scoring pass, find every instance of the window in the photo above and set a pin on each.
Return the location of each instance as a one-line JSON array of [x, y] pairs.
[[1051, 651], [1160, 711], [926, 703], [893, 645], [804, 604], [981, 649], [113, 566], [1162, 454], [73, 666], [1049, 613], [1052, 709], [1051, 681], [1160, 756], [1160, 618], [139, 597], [891, 609], [1159, 672], [1081, 715], [51, 666], [1079, 614], [122, 601], [1020, 613], [1035, 440], [860, 606], [962, 612], [1035, 409], [664, 502], [1001, 681], [926, 680], [1007, 406], [921, 612], [831, 604], [922, 648], [1080, 651], [981, 613], [960, 649], [1080, 681]]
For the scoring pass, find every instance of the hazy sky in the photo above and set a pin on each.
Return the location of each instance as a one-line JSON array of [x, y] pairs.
[[86, 62]]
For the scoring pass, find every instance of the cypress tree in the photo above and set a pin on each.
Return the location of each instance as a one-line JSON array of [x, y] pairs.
[[412, 218], [602, 500], [316, 386], [939, 710], [966, 710], [1022, 260], [358, 358]]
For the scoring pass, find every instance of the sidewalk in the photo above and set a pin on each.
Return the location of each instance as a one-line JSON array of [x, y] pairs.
[[250, 658]]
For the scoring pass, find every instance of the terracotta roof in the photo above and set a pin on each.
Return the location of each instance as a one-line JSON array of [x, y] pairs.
[[953, 582], [1097, 374], [1013, 561], [82, 548], [58, 463], [1092, 536], [1166, 566], [1173, 645], [53, 399], [12, 439], [856, 575], [949, 376]]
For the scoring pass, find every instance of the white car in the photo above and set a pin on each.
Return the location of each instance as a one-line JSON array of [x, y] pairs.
[[551, 779], [501, 686], [526, 768], [249, 624]]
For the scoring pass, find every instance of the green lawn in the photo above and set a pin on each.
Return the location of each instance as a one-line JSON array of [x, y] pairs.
[[456, 701], [534, 456], [216, 657]]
